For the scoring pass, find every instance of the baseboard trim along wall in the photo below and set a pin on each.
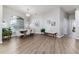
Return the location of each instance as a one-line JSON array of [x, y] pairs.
[[60, 36], [0, 42]]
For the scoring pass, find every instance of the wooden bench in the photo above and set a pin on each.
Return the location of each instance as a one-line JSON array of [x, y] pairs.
[[54, 35]]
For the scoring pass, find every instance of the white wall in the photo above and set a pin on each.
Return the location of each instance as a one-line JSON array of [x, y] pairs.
[[63, 23], [60, 17], [77, 23], [71, 24], [37, 19], [53, 16], [43, 21], [1, 23], [65, 26], [56, 15]]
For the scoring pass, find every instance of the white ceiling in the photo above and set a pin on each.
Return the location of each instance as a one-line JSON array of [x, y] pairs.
[[43, 8]]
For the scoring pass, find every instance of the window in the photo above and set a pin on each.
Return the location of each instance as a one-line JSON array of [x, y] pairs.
[[17, 23]]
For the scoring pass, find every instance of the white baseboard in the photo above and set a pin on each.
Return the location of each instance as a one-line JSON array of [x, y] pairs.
[[0, 42], [77, 38], [73, 36], [60, 36], [37, 33]]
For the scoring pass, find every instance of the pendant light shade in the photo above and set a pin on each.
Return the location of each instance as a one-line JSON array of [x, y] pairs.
[[28, 13]]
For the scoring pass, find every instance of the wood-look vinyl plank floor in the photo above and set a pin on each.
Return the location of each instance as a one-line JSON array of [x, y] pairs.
[[40, 44]]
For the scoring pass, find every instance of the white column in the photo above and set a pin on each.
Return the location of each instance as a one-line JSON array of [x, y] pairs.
[[77, 23], [0, 24]]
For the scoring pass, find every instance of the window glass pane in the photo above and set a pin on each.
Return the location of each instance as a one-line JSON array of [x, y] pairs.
[[17, 23]]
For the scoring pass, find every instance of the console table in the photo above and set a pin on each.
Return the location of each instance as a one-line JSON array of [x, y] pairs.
[[23, 32]]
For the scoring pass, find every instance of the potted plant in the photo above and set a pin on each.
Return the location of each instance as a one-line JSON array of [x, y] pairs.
[[43, 31], [6, 32]]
